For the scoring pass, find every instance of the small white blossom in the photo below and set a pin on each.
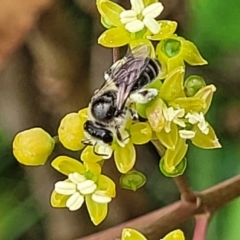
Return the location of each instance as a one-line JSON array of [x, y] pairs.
[[76, 187], [171, 115], [140, 16], [195, 118]]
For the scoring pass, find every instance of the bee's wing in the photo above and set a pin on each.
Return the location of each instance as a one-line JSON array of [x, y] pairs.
[[126, 76]]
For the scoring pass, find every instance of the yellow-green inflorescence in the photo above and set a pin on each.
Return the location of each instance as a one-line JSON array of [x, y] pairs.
[[172, 119], [132, 234]]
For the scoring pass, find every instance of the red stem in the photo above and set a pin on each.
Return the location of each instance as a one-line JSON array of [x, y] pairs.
[[201, 226]]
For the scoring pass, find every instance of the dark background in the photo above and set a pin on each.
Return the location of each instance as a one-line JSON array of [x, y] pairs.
[[53, 70]]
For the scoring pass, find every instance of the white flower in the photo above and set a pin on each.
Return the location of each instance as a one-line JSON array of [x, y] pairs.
[[195, 117], [171, 115], [76, 187], [141, 16]]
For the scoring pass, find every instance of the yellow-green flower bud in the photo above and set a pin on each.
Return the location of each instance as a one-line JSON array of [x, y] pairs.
[[132, 180], [193, 84], [33, 147], [71, 132], [171, 47]]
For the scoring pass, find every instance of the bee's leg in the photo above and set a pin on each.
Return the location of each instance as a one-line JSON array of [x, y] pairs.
[[144, 95], [134, 114], [122, 136], [87, 142]]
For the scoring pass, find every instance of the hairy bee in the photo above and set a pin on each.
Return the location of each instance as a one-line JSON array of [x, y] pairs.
[[109, 108]]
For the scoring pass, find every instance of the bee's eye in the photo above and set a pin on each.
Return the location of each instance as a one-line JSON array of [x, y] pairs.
[[107, 137]]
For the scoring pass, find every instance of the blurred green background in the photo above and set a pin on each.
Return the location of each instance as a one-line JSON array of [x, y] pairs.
[[56, 70]]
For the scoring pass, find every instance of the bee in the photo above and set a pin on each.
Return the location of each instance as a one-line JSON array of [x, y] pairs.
[[110, 106]]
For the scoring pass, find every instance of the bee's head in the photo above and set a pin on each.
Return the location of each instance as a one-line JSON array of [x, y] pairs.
[[103, 108]]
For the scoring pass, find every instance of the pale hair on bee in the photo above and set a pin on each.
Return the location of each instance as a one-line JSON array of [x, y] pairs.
[[110, 106]]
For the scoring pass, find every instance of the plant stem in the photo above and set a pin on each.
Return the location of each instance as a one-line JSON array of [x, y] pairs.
[[115, 54], [186, 192], [201, 226], [158, 223]]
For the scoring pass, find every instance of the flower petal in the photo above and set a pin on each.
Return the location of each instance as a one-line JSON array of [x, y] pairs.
[[206, 141], [188, 104], [155, 115], [134, 26], [173, 157], [175, 62], [149, 2], [172, 87], [88, 155], [92, 168], [114, 37], [75, 201], [153, 10], [97, 211], [191, 54], [169, 139], [58, 200], [175, 235], [137, 5], [125, 157], [107, 185], [141, 41], [111, 11], [131, 234], [206, 94], [141, 133], [67, 165], [151, 24], [167, 28]]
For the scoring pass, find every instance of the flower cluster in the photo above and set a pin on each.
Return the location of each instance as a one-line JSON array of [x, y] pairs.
[[173, 117]]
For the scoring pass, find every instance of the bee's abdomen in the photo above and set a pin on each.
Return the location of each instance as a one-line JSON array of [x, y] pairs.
[[148, 75]]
